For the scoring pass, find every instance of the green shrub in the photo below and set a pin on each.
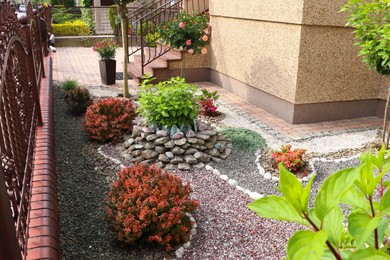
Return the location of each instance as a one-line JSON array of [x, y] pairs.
[[245, 139], [78, 99], [69, 84], [168, 103], [151, 39], [68, 3], [362, 233], [77, 27], [148, 205], [61, 15], [147, 27], [114, 19]]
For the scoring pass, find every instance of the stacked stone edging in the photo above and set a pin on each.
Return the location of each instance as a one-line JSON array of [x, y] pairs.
[[184, 151]]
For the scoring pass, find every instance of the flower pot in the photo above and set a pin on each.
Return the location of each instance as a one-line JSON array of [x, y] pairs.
[[107, 71]]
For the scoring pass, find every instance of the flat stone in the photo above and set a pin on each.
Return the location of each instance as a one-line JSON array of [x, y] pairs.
[[209, 132], [221, 137], [150, 161], [324, 160], [261, 170], [139, 146], [200, 141], [177, 150], [187, 244], [184, 166], [256, 195], [130, 141], [202, 136], [161, 133], [146, 129], [199, 165], [214, 152], [205, 158], [267, 176], [169, 144], [216, 172], [190, 134], [151, 137], [138, 138], [136, 153], [144, 135], [177, 159], [202, 148], [159, 165], [149, 153], [195, 146], [202, 126], [163, 158], [177, 136], [169, 167], [232, 182], [192, 140], [210, 145], [180, 141], [306, 179], [274, 178], [136, 131], [179, 252], [227, 151], [208, 168], [193, 231], [337, 161], [190, 159], [191, 151], [169, 155], [160, 149], [198, 155], [224, 177], [150, 146], [161, 140], [216, 159], [218, 146], [186, 146]]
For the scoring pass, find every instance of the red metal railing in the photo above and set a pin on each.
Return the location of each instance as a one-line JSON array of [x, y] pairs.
[[144, 21], [22, 45]]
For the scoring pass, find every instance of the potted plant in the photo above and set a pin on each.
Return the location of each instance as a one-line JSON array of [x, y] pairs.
[[107, 64]]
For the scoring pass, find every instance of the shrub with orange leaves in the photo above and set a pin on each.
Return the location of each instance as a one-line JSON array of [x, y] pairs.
[[147, 204], [109, 119]]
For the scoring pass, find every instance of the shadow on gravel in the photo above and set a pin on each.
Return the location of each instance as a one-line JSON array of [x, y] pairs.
[[85, 233]]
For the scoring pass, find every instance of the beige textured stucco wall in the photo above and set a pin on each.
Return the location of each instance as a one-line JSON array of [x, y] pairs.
[[297, 50]]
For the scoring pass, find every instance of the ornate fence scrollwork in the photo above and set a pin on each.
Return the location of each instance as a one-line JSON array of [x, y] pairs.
[[21, 70]]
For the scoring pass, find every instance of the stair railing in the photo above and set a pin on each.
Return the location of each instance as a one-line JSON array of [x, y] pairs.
[[147, 38]]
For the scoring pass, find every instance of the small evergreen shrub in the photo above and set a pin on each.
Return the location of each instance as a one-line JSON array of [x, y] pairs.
[[76, 28], [148, 205], [109, 119], [168, 103], [78, 99], [69, 84], [245, 139]]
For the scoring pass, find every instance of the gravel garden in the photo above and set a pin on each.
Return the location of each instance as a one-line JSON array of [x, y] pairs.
[[223, 156]]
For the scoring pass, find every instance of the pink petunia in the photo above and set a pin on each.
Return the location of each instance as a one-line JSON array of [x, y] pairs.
[[191, 51], [188, 42]]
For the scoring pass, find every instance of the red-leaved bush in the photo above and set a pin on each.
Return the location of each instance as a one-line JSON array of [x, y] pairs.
[[292, 160], [148, 205], [109, 119]]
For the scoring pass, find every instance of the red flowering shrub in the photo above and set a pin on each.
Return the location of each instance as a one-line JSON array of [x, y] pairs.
[[292, 160], [207, 103], [148, 205], [109, 119]]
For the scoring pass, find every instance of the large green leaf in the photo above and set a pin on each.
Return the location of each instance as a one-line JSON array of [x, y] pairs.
[[291, 188], [333, 190], [328, 255], [385, 203], [369, 254], [333, 224], [307, 245], [355, 198], [362, 226], [276, 208]]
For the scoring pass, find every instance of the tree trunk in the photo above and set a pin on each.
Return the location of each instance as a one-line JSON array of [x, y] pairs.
[[385, 140], [125, 49]]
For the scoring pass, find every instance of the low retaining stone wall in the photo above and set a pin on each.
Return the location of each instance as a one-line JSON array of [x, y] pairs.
[[186, 151]]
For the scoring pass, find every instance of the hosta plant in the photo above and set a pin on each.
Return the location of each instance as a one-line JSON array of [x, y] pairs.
[[148, 205], [332, 234], [168, 103], [109, 119], [78, 100], [292, 160]]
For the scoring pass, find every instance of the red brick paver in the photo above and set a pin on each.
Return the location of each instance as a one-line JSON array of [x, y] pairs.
[[82, 64]]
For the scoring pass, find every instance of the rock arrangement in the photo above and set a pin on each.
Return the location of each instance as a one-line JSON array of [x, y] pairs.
[[184, 151]]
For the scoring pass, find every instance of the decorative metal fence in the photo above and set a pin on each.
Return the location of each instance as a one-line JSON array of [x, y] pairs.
[[23, 42]]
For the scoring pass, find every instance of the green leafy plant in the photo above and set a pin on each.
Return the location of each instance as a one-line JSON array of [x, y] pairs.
[[106, 49], [186, 33], [69, 84], [328, 238], [78, 99], [292, 160], [244, 139], [168, 103], [148, 205], [109, 119], [114, 19], [371, 21], [75, 28], [152, 38], [207, 101], [62, 15], [87, 14], [147, 27]]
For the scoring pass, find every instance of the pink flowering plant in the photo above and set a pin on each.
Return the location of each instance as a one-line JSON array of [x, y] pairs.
[[106, 49], [207, 101], [186, 33], [292, 160]]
